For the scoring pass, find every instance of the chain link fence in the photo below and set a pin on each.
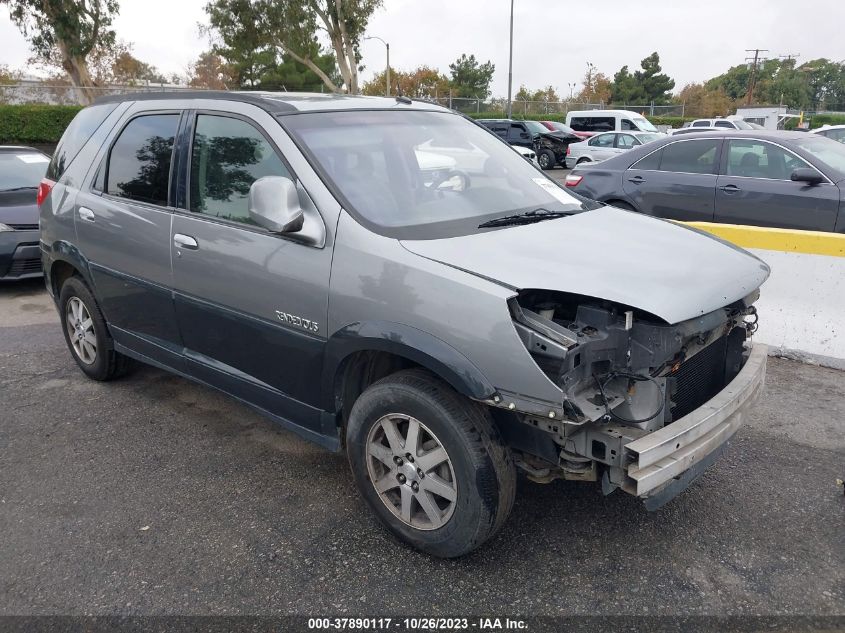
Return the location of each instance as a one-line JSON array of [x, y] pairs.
[[520, 107], [49, 93]]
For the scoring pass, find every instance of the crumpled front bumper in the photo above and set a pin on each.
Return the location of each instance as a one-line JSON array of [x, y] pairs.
[[663, 463]]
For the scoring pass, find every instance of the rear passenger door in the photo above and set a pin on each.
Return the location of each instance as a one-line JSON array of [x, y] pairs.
[[602, 146], [755, 188], [251, 305], [123, 230], [677, 181]]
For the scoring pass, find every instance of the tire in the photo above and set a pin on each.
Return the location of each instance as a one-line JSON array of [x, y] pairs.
[[94, 351], [472, 489], [583, 160], [546, 159]]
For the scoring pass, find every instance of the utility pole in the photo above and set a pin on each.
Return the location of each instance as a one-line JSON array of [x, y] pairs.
[[387, 70], [750, 97], [510, 66]]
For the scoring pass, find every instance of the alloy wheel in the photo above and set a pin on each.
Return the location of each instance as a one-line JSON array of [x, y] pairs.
[[411, 471], [80, 328]]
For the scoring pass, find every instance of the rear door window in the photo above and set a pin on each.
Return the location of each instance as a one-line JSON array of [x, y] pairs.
[[602, 140], [691, 157], [726, 124], [227, 156], [139, 162], [75, 136], [701, 124]]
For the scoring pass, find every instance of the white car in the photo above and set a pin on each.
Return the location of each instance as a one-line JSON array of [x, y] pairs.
[[732, 122], [528, 154], [836, 132], [607, 145]]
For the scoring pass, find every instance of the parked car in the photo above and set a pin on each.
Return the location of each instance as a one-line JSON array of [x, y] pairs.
[[557, 126], [289, 250], [603, 146], [549, 146], [781, 179], [835, 132], [693, 130], [21, 170], [528, 154], [595, 121], [729, 123]]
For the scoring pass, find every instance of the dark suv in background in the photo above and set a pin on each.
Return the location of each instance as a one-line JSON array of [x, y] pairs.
[[550, 145]]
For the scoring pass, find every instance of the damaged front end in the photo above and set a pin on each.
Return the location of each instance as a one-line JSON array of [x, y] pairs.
[[646, 404]]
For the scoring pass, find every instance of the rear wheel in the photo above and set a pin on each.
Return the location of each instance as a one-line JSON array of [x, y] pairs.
[[86, 334], [583, 160], [546, 159], [430, 463]]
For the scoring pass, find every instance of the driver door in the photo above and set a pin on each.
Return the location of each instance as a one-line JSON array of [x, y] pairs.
[[251, 305], [754, 187]]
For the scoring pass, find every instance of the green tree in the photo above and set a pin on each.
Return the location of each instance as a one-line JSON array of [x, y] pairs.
[[825, 81], [251, 28], [471, 78], [643, 86], [64, 33], [293, 76]]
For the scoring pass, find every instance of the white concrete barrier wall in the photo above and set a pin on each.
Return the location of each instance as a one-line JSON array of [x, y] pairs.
[[802, 305]]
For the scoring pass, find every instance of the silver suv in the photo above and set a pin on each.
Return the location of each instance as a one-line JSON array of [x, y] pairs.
[[387, 278]]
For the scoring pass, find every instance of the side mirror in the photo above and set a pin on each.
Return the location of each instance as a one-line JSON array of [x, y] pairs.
[[805, 174], [274, 204]]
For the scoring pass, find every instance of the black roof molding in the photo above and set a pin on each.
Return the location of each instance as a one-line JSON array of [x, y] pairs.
[[270, 105]]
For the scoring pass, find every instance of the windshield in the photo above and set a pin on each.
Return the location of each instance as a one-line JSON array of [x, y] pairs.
[[828, 151], [421, 175], [21, 169], [643, 124], [741, 125], [536, 127]]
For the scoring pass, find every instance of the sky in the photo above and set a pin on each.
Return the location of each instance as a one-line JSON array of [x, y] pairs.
[[553, 39]]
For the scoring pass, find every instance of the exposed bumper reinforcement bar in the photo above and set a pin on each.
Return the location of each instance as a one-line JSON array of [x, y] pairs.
[[665, 455]]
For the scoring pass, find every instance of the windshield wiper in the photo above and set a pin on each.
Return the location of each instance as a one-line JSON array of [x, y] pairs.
[[529, 217], [18, 188]]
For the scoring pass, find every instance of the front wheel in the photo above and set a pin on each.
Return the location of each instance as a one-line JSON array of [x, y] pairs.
[[546, 159], [430, 463]]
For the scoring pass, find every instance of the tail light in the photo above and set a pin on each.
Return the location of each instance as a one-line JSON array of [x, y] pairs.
[[573, 180], [44, 189], [567, 150]]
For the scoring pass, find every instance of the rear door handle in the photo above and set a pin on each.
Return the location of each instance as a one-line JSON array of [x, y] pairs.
[[185, 241], [86, 214], [729, 188]]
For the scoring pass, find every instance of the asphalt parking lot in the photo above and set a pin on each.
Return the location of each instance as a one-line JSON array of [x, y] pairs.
[[152, 495]]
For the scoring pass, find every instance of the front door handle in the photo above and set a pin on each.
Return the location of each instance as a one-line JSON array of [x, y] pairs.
[[86, 214], [185, 241], [729, 188], [636, 179]]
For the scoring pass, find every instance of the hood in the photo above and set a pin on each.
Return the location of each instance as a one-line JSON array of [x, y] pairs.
[[672, 271], [560, 136], [18, 207]]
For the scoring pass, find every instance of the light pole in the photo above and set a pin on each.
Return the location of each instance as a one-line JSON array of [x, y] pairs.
[[510, 65], [571, 89], [386, 72]]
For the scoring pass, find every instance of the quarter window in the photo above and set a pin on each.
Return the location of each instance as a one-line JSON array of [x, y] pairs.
[[227, 156], [139, 163], [691, 157], [756, 159]]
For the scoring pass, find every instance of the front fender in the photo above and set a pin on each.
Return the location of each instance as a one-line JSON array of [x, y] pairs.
[[408, 342]]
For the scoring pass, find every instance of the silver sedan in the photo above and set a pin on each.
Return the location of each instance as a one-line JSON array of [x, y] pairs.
[[607, 145]]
